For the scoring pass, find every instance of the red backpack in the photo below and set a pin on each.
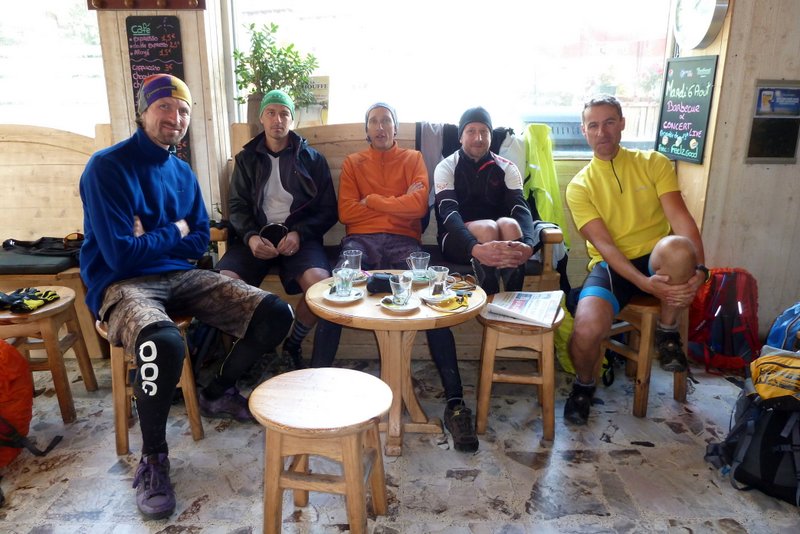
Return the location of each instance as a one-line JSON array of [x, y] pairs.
[[723, 321]]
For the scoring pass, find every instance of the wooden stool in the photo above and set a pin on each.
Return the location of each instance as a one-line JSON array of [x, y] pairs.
[[122, 389], [326, 412], [40, 329], [538, 342], [639, 318]]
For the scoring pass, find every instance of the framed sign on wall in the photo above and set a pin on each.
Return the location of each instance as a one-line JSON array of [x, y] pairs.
[[776, 123], [685, 107]]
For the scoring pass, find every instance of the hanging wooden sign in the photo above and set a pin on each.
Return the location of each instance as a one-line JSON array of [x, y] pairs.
[[172, 5]]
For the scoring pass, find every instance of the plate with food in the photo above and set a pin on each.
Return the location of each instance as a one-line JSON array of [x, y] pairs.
[[387, 303], [425, 294]]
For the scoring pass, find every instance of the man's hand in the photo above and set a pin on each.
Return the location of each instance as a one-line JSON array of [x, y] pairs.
[[413, 188], [183, 226], [678, 295], [502, 253], [261, 248], [290, 244], [138, 228]]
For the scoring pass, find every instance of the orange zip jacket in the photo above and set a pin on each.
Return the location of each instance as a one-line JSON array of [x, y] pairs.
[[382, 178]]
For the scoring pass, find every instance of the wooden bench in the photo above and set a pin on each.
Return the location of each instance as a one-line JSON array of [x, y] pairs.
[[336, 142], [40, 169]]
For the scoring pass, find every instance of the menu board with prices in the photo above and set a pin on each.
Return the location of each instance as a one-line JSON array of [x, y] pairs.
[[154, 47]]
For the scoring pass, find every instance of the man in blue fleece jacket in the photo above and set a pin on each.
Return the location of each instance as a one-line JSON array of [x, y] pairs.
[[144, 219]]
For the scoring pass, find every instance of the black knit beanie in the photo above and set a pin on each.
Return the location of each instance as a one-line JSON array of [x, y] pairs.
[[474, 115]]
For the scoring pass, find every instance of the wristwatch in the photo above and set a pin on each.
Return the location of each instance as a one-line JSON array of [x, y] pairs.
[[704, 269]]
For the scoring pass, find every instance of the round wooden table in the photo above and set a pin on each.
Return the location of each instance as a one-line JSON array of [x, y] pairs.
[[39, 329], [395, 334]]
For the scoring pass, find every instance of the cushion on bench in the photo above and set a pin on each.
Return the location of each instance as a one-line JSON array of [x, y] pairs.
[[16, 263]]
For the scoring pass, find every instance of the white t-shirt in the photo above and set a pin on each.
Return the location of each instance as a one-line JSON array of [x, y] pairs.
[[277, 201]]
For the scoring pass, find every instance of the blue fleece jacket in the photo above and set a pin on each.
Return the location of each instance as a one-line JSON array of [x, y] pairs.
[[138, 178]]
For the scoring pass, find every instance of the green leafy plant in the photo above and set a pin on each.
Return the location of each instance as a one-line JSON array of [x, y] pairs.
[[269, 66]]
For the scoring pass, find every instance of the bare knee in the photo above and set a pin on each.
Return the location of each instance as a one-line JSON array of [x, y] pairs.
[[509, 229], [587, 334], [674, 256], [311, 277], [593, 319], [484, 230]]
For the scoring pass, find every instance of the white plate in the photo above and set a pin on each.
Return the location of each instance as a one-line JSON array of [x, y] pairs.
[[425, 294], [360, 278], [354, 295], [412, 304]]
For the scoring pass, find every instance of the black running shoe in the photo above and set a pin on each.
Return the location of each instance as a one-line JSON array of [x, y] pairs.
[[458, 422], [576, 409], [670, 351]]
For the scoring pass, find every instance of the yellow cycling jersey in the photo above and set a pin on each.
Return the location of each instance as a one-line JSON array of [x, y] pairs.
[[624, 193]]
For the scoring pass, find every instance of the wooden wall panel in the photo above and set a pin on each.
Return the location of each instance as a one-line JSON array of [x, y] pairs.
[[751, 218], [40, 169]]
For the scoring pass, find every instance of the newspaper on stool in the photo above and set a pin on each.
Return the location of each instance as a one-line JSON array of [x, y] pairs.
[[524, 307]]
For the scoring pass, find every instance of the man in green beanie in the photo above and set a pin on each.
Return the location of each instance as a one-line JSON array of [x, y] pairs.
[[282, 201]]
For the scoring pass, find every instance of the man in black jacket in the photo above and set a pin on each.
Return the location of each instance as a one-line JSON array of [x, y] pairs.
[[282, 202], [482, 215]]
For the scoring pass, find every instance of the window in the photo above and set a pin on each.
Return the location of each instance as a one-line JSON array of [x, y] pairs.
[[522, 61], [51, 66]]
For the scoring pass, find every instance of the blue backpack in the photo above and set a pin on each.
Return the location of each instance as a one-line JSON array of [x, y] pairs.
[[783, 333]]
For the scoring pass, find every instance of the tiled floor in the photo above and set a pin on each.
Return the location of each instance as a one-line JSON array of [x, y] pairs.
[[618, 474]]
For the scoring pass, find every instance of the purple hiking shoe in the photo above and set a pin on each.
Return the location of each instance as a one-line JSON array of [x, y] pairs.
[[154, 494]]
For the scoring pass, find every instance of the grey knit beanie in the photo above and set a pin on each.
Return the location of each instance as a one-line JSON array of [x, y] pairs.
[[474, 115], [380, 105]]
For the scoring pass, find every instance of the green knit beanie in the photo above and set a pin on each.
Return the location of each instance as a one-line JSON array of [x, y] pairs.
[[276, 96]]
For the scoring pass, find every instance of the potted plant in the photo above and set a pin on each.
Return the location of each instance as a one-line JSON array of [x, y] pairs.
[[268, 66]]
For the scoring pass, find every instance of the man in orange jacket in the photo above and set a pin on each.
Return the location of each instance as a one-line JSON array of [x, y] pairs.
[[383, 195]]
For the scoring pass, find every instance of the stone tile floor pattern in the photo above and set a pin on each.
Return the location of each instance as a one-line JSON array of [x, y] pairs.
[[617, 474]]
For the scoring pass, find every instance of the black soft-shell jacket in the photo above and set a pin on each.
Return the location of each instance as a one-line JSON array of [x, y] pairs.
[[304, 174]]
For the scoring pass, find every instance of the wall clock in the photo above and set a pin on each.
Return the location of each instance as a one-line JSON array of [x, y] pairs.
[[697, 22]]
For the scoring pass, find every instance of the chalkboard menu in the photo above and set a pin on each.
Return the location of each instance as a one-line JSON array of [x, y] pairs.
[[154, 47], [685, 107]]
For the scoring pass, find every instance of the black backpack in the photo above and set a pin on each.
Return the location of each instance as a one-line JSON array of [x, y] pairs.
[[762, 449]]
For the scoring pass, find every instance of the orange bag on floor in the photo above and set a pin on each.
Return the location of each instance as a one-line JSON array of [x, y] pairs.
[[16, 400]]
